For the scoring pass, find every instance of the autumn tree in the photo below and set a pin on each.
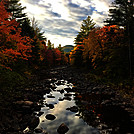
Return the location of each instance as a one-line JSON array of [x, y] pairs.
[[86, 27], [12, 45], [122, 14], [76, 57], [106, 52]]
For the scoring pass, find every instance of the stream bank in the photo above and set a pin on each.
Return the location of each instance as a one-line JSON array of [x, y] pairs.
[[98, 105]]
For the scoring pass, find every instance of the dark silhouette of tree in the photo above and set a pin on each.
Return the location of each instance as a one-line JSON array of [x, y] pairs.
[[122, 14], [16, 9]]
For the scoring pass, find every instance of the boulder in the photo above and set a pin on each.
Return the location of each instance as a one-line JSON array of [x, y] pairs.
[[51, 106], [50, 117], [38, 130], [62, 129]]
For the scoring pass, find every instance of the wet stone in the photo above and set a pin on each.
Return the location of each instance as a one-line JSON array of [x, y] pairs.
[[68, 89], [68, 94], [40, 113], [50, 117], [73, 109], [61, 99], [77, 115], [67, 98], [50, 96], [62, 91], [51, 106], [62, 129], [38, 130]]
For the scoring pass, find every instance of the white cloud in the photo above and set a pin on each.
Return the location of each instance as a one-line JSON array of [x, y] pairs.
[[61, 19], [82, 3], [57, 39], [100, 5], [98, 18]]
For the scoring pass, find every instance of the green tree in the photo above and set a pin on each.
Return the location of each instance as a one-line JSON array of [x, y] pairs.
[[27, 29], [86, 27], [49, 44], [16, 9], [37, 29], [60, 48]]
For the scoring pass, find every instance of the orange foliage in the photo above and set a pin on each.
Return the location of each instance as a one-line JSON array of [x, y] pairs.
[[57, 54], [101, 39], [74, 52], [12, 45]]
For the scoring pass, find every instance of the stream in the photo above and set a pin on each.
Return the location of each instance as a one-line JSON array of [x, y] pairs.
[[83, 108], [57, 103]]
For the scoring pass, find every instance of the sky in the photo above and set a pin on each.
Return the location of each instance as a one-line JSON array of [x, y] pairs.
[[61, 19]]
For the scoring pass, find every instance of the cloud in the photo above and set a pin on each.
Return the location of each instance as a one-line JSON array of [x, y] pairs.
[[61, 19], [73, 5], [54, 14]]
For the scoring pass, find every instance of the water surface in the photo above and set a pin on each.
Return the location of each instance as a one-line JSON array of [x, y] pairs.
[[73, 120]]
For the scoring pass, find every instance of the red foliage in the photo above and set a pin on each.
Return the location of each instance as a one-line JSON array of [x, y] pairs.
[[101, 40], [12, 45], [57, 53]]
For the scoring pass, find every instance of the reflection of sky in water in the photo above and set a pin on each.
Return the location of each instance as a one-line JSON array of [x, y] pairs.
[[74, 123]]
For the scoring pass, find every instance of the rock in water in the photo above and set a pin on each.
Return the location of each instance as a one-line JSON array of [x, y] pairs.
[[38, 130], [73, 109], [51, 106], [62, 129], [50, 117]]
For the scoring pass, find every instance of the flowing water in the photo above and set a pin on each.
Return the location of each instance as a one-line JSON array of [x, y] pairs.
[[61, 100]]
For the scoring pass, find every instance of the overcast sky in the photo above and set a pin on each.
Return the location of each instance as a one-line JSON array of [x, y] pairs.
[[61, 19]]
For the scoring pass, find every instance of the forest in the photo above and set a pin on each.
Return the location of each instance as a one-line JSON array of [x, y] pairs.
[[23, 47], [106, 53]]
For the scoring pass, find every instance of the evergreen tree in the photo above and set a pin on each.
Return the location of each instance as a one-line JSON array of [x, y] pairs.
[[16, 9], [122, 14], [60, 48], [49, 44], [27, 29], [37, 30], [86, 27]]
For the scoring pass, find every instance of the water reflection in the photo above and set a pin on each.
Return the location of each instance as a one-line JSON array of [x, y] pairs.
[[75, 124], [109, 118]]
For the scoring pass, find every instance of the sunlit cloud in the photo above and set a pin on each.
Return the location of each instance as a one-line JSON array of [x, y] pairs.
[[61, 19]]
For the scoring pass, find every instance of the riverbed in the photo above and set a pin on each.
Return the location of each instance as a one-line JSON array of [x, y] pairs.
[[83, 107]]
